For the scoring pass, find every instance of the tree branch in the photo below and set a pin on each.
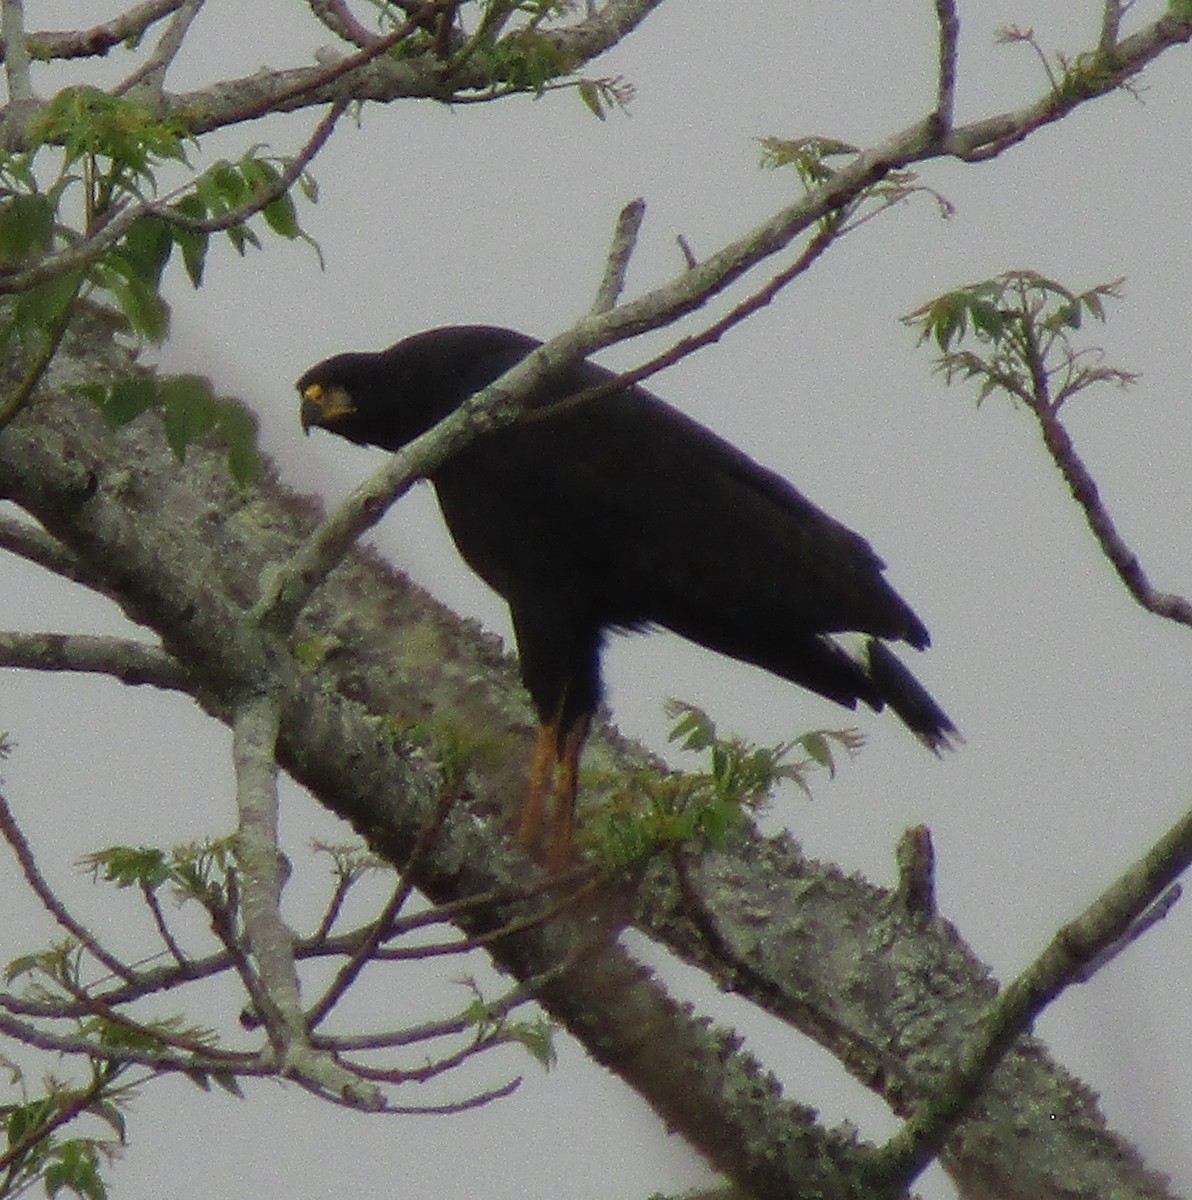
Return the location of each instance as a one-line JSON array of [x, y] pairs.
[[629, 221], [271, 944], [16, 56], [23, 538], [339, 19], [89, 43], [1087, 495], [11, 832], [87, 250], [1112, 917], [130, 662], [949, 38], [147, 82]]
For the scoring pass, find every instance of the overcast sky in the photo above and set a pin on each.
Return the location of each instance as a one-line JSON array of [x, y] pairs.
[[1074, 703]]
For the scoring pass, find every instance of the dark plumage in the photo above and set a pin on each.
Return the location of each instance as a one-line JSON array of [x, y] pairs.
[[620, 512]]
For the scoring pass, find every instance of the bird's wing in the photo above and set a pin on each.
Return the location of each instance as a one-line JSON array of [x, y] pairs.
[[679, 527]]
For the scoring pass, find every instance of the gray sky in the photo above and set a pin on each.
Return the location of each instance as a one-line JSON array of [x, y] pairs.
[[1073, 701]]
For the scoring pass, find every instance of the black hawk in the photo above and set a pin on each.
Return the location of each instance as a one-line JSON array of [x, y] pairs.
[[621, 513]]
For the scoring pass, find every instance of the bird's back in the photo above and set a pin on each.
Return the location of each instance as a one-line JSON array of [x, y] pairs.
[[652, 518]]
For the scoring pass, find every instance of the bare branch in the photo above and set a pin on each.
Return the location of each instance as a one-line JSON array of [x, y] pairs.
[[148, 81], [629, 221], [339, 18], [130, 662], [254, 737], [1086, 494], [949, 38], [989, 137], [33, 543], [88, 43], [163, 928]]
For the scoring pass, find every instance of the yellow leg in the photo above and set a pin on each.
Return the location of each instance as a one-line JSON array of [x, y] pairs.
[[531, 817], [562, 833]]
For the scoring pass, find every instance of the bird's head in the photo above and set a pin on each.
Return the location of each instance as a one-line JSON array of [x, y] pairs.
[[388, 398], [330, 393]]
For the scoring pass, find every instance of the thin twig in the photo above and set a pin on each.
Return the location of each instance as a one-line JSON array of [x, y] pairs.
[[340, 20], [1088, 496], [265, 196], [163, 929], [23, 538], [381, 926], [765, 295], [148, 80], [126, 28], [11, 832], [82, 254], [64, 1111]]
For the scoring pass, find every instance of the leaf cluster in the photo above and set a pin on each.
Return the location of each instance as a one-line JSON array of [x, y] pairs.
[[195, 870], [80, 220], [805, 155], [189, 410], [35, 1149], [651, 813], [1021, 325]]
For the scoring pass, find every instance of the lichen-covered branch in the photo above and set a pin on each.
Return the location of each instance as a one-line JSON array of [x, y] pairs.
[[130, 662], [270, 941], [850, 943], [16, 57], [1080, 944]]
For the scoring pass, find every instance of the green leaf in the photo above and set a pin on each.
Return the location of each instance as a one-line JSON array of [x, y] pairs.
[[130, 866], [110, 1113], [228, 1082], [281, 216], [146, 248], [127, 398], [26, 228], [242, 237], [189, 411], [76, 1169], [535, 1036], [238, 428], [137, 299], [693, 728], [39, 308], [589, 93], [194, 252], [26, 964]]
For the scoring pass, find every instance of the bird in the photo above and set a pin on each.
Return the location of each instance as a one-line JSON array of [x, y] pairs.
[[617, 512]]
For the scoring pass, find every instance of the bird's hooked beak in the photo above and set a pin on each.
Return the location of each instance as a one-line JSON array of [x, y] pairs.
[[324, 406]]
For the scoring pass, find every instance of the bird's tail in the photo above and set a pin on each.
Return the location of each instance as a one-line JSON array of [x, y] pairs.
[[898, 688]]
